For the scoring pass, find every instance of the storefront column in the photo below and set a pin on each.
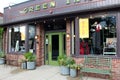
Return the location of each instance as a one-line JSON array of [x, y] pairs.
[[77, 47], [68, 50], [5, 40], [118, 34], [40, 44]]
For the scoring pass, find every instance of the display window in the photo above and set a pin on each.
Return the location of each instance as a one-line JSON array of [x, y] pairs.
[[97, 35], [22, 39], [17, 39]]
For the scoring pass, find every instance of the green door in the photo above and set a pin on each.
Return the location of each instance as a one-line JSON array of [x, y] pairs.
[[54, 46]]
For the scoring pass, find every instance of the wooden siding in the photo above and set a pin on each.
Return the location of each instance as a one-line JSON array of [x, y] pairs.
[[61, 8]]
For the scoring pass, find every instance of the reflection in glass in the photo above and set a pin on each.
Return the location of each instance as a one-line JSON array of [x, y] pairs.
[[17, 39], [31, 38], [55, 47], [101, 31]]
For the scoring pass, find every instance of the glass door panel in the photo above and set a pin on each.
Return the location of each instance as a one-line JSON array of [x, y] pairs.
[[55, 47]]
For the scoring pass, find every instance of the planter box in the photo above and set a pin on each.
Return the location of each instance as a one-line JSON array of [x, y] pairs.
[[24, 65], [73, 72], [31, 65], [64, 70], [2, 60]]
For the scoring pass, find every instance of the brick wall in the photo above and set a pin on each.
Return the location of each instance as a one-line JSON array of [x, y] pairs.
[[68, 38], [40, 44], [116, 69], [5, 38], [14, 59]]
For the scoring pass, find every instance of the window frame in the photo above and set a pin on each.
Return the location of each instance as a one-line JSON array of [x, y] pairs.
[[110, 13], [13, 26]]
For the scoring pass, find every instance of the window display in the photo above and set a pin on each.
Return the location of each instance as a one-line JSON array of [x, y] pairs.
[[17, 39], [102, 36], [31, 38]]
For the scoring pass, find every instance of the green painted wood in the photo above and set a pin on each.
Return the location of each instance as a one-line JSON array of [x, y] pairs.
[[95, 70], [50, 49], [61, 43], [99, 65], [60, 34], [46, 51]]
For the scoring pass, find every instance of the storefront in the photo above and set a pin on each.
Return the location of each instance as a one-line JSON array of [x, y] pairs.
[[72, 27]]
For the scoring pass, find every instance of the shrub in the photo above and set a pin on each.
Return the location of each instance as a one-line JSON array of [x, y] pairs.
[[30, 56], [2, 54], [61, 60], [65, 61]]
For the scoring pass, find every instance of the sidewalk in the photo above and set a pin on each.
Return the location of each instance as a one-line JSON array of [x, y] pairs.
[[45, 72]]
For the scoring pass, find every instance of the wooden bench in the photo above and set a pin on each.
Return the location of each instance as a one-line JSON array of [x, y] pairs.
[[97, 65]]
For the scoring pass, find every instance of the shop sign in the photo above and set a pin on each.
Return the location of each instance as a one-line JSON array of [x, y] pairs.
[[46, 5], [84, 28], [69, 2], [37, 7]]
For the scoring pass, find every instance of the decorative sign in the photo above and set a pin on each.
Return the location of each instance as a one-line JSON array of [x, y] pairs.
[[44, 8], [84, 28], [75, 1], [45, 5], [37, 7]]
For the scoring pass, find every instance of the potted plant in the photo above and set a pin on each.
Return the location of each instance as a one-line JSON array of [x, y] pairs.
[[30, 58], [64, 63], [23, 63], [79, 67], [2, 57], [73, 70]]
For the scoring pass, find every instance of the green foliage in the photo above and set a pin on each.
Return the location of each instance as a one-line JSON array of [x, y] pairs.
[[29, 56], [69, 61], [76, 66], [61, 60], [65, 61], [2, 54], [1, 32], [73, 66], [79, 66]]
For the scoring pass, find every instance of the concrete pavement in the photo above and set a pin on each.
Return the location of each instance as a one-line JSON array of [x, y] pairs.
[[45, 72]]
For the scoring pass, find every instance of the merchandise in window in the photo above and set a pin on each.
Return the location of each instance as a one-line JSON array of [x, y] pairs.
[[98, 35], [17, 39], [31, 38]]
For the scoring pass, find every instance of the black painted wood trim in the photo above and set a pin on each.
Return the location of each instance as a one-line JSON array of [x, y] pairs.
[[27, 38], [77, 48]]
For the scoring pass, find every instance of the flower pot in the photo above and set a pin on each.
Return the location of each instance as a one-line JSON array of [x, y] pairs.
[[64, 70], [31, 65], [2, 60], [73, 72], [23, 65]]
